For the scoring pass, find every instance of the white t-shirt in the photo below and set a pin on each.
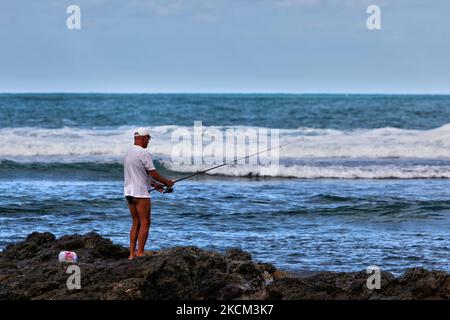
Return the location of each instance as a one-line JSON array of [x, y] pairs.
[[136, 163]]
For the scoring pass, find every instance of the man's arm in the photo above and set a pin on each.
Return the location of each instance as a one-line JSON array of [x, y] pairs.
[[155, 175]]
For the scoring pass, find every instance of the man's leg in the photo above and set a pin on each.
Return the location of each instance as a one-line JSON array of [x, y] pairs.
[[143, 207], [134, 229]]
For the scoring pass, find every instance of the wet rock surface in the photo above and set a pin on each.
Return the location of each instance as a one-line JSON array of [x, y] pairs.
[[30, 270]]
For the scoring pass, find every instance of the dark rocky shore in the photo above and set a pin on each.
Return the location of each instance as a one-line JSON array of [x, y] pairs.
[[30, 270]]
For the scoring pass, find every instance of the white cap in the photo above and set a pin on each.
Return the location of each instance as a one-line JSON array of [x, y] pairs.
[[141, 132]]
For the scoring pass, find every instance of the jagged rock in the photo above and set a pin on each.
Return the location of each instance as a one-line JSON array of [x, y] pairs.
[[414, 284], [418, 283], [30, 270], [324, 285]]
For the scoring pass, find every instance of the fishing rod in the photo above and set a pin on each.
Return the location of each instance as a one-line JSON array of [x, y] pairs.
[[170, 189]]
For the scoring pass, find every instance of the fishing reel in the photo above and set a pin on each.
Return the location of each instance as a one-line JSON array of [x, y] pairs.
[[161, 188], [168, 190]]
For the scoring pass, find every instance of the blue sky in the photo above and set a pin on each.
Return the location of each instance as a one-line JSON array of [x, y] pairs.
[[292, 46]]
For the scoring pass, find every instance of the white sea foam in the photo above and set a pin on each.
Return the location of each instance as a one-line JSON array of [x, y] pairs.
[[327, 172], [70, 144]]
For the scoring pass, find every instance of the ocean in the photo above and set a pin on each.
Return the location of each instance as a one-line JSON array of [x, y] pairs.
[[365, 179]]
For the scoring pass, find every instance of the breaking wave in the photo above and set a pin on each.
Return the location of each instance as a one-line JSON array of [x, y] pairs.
[[312, 153]]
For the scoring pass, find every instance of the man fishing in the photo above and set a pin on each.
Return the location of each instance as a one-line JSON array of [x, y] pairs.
[[140, 174]]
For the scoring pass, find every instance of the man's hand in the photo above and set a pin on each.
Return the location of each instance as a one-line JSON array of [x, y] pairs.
[[158, 187], [170, 183]]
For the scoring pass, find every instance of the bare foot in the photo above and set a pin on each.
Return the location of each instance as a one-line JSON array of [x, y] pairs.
[[139, 254], [131, 257]]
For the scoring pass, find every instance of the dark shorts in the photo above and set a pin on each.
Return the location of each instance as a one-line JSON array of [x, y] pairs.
[[130, 199]]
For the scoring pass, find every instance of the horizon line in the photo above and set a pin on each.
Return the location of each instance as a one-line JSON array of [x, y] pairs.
[[224, 93]]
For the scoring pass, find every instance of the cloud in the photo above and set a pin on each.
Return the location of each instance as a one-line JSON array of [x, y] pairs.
[[166, 8], [207, 7], [206, 17], [347, 3], [295, 2]]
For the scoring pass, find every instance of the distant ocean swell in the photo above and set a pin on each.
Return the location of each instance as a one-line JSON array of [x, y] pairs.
[[315, 153]]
